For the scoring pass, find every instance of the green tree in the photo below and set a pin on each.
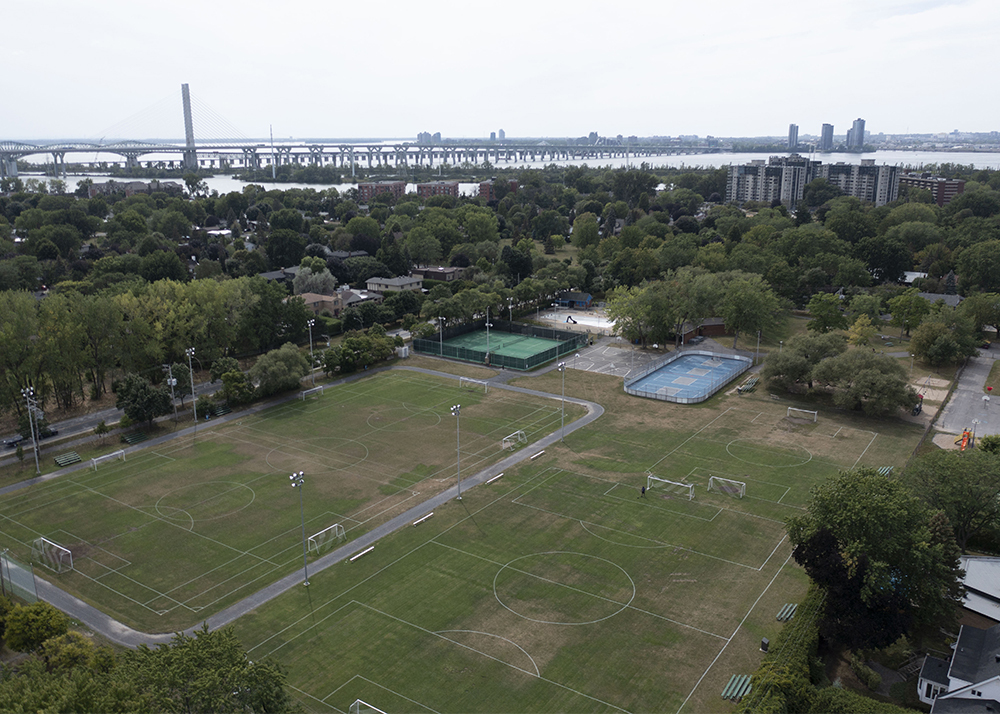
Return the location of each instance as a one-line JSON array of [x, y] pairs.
[[964, 485], [863, 380], [819, 191], [748, 305], [236, 388], [875, 549], [862, 333], [794, 363], [285, 248], [209, 672], [140, 400], [990, 444], [979, 267], [221, 366], [28, 626], [983, 309], [867, 304], [585, 231], [908, 309], [825, 310], [944, 338], [279, 370]]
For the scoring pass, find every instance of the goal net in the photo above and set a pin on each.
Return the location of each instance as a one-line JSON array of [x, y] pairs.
[[793, 412], [470, 383], [52, 555], [662, 484], [727, 485], [362, 707], [315, 391], [511, 442], [120, 454], [321, 541]]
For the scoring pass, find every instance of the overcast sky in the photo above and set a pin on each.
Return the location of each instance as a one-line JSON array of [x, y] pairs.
[[388, 68]]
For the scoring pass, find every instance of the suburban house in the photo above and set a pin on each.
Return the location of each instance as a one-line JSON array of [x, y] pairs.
[[970, 682], [318, 304], [394, 285], [571, 299], [436, 272], [281, 275]]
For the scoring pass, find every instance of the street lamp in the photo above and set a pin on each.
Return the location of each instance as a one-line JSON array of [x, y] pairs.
[[781, 344], [29, 398], [562, 422], [194, 398], [488, 326], [297, 480], [912, 355], [172, 383], [510, 308], [441, 333], [456, 411], [312, 359]]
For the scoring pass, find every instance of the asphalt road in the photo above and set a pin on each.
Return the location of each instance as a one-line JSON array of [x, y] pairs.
[[967, 407], [124, 635]]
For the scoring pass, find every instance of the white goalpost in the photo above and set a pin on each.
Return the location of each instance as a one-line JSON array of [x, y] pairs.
[[727, 485], [470, 383], [120, 454], [362, 707], [806, 412], [325, 538], [511, 442], [682, 489], [318, 391], [52, 555]]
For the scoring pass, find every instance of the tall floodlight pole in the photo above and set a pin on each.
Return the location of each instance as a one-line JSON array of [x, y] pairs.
[[194, 400], [171, 382], [441, 333], [29, 398], [510, 307], [488, 325], [457, 413], [297, 480], [312, 359], [562, 421]]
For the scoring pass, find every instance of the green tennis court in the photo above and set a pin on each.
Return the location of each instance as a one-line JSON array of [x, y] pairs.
[[502, 343]]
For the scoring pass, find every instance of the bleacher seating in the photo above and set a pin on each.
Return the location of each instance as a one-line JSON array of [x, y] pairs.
[[738, 687], [787, 612], [70, 457], [748, 386], [134, 437]]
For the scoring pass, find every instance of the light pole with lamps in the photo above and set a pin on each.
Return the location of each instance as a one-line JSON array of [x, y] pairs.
[[29, 397], [781, 345], [194, 397], [441, 333], [297, 480], [510, 308], [456, 411], [488, 326], [172, 383], [562, 420], [312, 359]]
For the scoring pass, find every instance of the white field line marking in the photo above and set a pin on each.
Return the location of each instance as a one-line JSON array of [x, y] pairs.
[[866, 449], [712, 664]]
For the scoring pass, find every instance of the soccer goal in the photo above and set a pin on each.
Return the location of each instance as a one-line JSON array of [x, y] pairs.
[[318, 391], [362, 707], [682, 489], [511, 442], [792, 411], [325, 538], [727, 485], [52, 555], [120, 454], [470, 383]]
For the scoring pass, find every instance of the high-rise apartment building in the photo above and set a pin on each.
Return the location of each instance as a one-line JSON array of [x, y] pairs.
[[793, 137], [826, 138], [784, 178], [856, 135]]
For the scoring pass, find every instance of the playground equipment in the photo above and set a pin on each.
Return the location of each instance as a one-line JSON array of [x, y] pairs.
[[966, 440]]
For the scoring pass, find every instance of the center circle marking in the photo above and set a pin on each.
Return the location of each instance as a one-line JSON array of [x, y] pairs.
[[804, 455]]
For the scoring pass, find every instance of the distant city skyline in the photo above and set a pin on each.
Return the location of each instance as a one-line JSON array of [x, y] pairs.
[[310, 69]]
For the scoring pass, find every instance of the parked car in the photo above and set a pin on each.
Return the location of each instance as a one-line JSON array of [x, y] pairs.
[[12, 442]]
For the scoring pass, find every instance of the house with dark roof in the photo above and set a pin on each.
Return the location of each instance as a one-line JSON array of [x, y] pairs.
[[970, 682], [574, 299]]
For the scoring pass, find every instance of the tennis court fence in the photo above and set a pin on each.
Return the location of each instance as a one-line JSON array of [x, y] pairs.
[[568, 342], [715, 383]]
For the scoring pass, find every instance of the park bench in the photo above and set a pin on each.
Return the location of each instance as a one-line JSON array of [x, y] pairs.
[[134, 437], [787, 612], [70, 457], [738, 687]]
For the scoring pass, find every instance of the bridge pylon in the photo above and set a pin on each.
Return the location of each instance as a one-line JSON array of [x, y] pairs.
[[190, 152]]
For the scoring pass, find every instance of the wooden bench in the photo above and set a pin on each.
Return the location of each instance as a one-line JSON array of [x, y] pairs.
[[787, 612], [134, 437], [70, 457]]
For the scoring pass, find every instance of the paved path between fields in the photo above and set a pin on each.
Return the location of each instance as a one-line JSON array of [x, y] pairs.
[[124, 635], [967, 403]]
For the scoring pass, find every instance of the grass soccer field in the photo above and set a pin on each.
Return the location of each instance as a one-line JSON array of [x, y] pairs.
[[560, 588], [181, 530]]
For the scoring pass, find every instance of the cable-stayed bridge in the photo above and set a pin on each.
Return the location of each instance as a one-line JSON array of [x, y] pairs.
[[239, 152]]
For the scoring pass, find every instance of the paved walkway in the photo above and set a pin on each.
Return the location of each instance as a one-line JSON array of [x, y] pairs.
[[967, 406], [124, 635]]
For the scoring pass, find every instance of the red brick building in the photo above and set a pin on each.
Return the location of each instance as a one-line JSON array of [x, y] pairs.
[[368, 191], [943, 190], [437, 188], [487, 191]]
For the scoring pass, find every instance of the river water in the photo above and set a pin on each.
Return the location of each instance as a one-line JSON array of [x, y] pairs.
[[913, 159]]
